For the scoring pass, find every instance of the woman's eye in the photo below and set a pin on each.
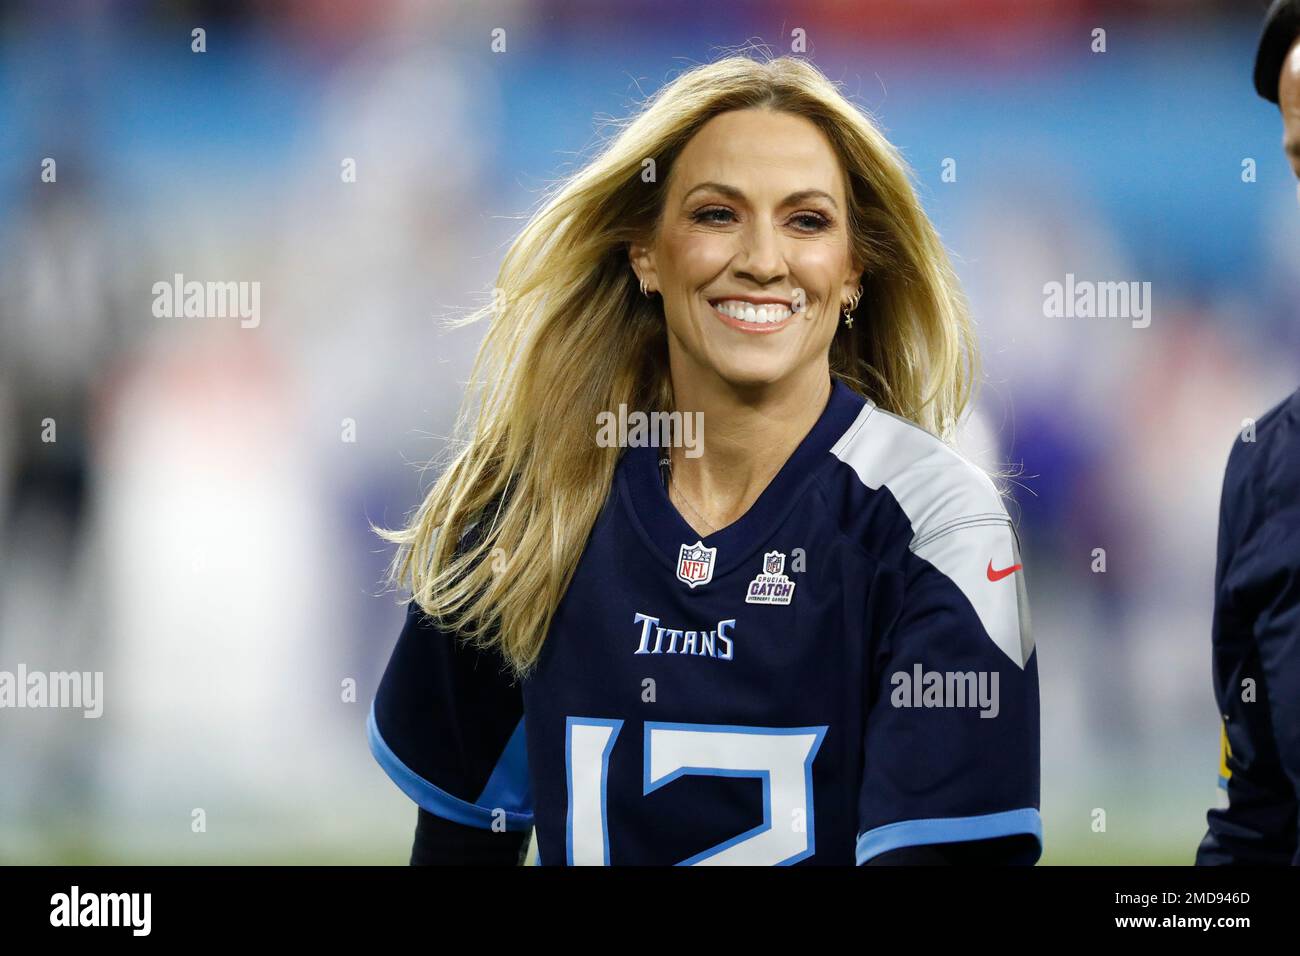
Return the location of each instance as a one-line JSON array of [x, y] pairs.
[[810, 221], [804, 221], [713, 214]]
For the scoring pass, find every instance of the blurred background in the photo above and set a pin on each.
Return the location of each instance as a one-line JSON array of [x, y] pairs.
[[198, 528]]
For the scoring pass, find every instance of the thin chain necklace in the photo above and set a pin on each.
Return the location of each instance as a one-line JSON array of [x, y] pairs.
[[666, 470], [667, 461]]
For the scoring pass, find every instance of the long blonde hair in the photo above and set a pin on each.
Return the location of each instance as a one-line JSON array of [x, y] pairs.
[[570, 335]]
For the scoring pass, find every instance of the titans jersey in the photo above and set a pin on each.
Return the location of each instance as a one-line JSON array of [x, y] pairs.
[[845, 670]]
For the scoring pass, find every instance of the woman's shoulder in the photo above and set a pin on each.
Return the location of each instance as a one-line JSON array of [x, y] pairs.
[[934, 485]]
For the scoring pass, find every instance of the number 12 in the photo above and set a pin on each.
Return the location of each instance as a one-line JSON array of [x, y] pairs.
[[780, 757]]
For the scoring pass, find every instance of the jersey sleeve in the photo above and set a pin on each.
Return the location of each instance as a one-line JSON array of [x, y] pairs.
[[447, 726], [1256, 655], [951, 748]]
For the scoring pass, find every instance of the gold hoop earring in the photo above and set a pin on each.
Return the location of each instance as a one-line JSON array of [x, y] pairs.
[[850, 306], [645, 289]]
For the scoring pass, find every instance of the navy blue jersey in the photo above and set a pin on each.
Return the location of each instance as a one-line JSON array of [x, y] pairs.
[[1256, 646], [845, 670]]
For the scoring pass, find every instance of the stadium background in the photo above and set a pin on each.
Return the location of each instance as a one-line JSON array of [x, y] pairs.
[[198, 532]]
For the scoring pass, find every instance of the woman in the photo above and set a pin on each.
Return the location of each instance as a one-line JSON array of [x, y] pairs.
[[799, 635]]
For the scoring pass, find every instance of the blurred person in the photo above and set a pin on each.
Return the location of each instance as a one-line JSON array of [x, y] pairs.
[[1256, 627], [56, 295], [655, 653]]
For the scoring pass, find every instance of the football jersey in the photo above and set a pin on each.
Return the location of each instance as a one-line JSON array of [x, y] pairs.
[[1256, 644], [845, 670]]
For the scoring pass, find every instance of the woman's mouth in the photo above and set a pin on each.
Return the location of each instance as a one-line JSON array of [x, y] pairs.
[[755, 317]]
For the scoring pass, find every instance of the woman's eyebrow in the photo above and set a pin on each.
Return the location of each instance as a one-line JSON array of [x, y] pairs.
[[803, 194], [731, 192]]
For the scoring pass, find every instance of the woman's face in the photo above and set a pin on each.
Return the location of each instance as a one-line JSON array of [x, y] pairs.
[[752, 253]]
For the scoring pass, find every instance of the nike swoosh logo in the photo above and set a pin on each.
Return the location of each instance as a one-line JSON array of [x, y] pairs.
[[999, 575]]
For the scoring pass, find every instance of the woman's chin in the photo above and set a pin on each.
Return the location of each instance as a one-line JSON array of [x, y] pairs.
[[751, 375]]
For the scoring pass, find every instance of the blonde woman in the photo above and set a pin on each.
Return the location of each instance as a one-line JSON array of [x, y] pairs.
[[781, 622]]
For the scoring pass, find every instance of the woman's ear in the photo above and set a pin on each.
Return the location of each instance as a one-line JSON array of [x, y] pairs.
[[857, 271], [852, 283], [642, 259]]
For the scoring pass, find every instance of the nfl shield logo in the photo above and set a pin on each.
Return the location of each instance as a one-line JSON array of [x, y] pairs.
[[773, 562], [695, 564]]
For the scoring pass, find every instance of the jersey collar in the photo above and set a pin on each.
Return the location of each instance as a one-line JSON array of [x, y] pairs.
[[665, 530]]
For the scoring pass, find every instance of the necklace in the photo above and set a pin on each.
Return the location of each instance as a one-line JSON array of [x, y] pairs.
[[668, 462]]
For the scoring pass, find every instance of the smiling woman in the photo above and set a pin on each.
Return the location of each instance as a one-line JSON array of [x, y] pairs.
[[827, 538], [754, 237]]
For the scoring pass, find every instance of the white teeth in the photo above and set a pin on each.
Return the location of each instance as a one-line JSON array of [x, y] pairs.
[[764, 314]]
